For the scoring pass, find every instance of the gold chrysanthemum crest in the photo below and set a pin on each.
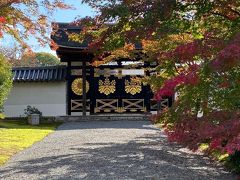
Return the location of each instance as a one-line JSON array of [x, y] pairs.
[[77, 86]]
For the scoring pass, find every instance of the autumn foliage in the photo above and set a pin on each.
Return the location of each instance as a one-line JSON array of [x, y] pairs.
[[2, 22], [23, 19], [196, 45], [220, 129]]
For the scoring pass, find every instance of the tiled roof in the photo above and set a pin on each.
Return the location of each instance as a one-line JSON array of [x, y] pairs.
[[61, 36], [39, 74]]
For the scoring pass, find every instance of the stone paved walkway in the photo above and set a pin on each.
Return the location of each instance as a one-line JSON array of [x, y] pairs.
[[109, 150]]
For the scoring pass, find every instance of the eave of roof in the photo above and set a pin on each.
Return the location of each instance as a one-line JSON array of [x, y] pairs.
[[39, 74], [61, 38], [61, 33]]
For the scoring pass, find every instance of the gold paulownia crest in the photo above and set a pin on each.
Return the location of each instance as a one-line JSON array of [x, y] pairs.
[[133, 86], [107, 87], [77, 86]]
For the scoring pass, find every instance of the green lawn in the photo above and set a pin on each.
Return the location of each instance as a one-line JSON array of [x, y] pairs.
[[16, 136]]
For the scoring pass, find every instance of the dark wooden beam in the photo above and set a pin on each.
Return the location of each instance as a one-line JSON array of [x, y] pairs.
[[84, 96], [68, 98], [75, 56]]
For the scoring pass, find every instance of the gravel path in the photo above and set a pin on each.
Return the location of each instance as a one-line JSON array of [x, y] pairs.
[[109, 150]]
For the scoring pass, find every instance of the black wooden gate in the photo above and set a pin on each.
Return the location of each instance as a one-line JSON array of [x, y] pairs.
[[120, 90], [111, 89]]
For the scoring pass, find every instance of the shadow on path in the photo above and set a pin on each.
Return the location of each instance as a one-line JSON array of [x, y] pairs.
[[148, 156]]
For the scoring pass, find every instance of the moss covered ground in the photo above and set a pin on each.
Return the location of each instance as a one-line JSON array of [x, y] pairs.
[[18, 135]]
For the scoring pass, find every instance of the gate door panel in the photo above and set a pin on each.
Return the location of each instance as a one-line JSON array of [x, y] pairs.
[[133, 105], [106, 105], [74, 88], [77, 105], [116, 92]]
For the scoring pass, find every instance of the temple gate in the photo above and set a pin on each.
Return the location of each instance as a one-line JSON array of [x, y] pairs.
[[115, 87]]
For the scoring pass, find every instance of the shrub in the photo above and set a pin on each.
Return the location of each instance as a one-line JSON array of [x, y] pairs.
[[2, 116], [219, 131], [5, 80], [32, 110]]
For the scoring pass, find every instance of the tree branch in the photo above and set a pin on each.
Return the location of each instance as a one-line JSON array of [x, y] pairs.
[[5, 3]]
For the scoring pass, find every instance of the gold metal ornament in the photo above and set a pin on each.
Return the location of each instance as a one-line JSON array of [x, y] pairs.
[[106, 105], [107, 87], [77, 86], [120, 110], [133, 86]]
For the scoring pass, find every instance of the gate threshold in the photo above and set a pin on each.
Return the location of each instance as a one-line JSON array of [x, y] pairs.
[[104, 117]]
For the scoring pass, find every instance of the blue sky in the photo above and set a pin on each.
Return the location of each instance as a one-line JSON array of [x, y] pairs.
[[80, 10]]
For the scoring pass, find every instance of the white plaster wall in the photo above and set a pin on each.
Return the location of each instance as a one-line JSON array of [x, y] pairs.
[[48, 97]]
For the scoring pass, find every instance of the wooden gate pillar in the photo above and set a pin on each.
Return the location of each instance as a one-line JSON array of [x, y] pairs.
[[84, 94]]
